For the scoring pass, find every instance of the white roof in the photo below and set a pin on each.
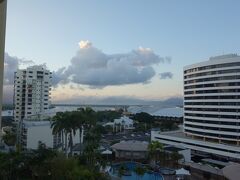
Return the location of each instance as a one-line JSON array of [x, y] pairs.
[[107, 152], [182, 171], [36, 123], [109, 124], [228, 58]]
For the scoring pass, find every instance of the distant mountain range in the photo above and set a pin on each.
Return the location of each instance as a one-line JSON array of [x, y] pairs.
[[122, 100], [111, 100]]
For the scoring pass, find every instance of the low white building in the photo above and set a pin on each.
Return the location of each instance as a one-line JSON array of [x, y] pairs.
[[41, 131], [123, 123], [178, 138]]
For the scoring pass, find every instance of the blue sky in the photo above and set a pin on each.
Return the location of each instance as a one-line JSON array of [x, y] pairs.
[[187, 31]]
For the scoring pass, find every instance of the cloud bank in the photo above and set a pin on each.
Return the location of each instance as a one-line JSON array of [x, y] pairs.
[[90, 66], [95, 69], [11, 64]]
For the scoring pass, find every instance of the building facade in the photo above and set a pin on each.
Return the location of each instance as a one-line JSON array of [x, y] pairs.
[[31, 93], [212, 100], [211, 109]]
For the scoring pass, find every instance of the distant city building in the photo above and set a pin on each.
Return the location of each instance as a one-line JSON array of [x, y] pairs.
[[31, 93], [211, 108]]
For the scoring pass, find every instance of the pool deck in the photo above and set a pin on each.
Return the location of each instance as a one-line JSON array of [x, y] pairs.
[[114, 177]]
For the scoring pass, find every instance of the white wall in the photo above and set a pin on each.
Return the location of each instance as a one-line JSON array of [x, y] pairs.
[[41, 131], [186, 154]]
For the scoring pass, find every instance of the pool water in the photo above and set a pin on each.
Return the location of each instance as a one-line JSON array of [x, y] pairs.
[[132, 175]]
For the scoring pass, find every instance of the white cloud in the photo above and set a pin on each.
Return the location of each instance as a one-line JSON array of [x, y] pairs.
[[85, 44], [90, 66]]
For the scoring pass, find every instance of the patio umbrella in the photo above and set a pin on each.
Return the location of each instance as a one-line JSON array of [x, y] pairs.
[[182, 171], [106, 152]]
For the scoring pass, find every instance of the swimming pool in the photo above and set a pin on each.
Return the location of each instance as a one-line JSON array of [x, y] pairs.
[[131, 175]]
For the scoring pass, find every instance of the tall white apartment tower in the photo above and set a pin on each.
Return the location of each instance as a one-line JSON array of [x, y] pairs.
[[31, 93]]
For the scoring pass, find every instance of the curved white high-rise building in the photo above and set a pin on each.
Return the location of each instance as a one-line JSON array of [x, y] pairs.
[[211, 110], [212, 100]]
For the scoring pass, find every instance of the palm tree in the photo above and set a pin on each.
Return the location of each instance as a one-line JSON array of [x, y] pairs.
[[63, 123], [67, 123], [89, 116], [175, 157], [154, 150], [57, 126], [80, 122], [121, 170], [140, 171], [86, 119], [10, 138], [91, 142], [70, 126]]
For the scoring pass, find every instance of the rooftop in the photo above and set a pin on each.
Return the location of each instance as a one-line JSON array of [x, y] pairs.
[[131, 146], [225, 56], [180, 134], [36, 123], [205, 167]]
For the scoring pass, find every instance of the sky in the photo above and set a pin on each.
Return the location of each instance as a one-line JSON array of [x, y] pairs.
[[125, 49]]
